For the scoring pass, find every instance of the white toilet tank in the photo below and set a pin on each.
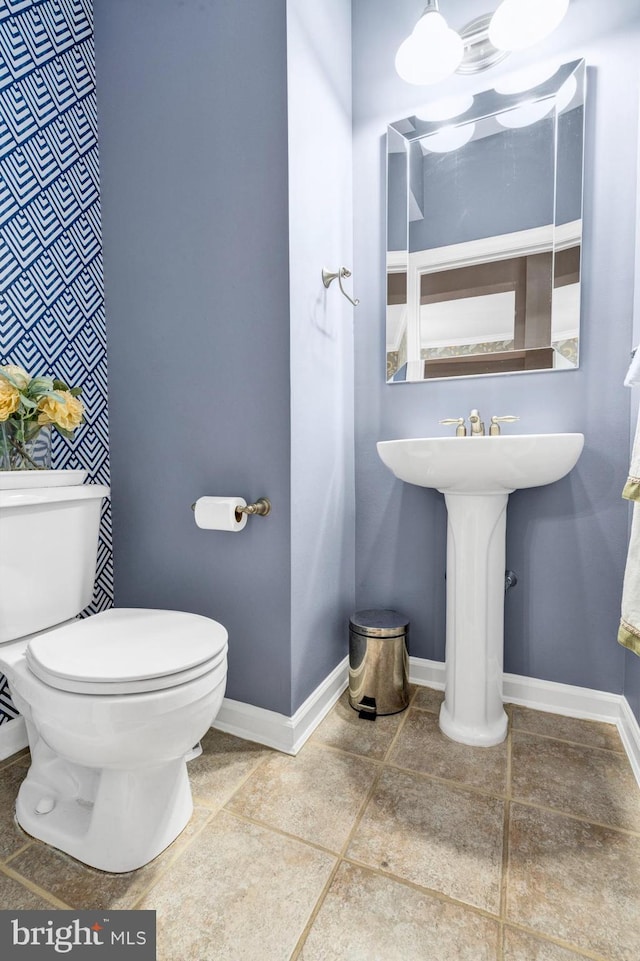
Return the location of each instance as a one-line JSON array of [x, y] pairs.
[[48, 554]]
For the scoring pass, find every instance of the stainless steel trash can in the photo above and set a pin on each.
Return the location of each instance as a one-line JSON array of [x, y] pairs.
[[378, 663]]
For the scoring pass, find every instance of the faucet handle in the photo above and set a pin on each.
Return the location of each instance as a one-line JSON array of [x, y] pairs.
[[461, 430], [494, 430]]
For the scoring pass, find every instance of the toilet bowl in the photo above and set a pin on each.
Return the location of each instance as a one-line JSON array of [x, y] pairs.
[[113, 705], [108, 779]]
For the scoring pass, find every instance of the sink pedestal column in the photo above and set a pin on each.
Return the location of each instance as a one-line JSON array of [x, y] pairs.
[[472, 711]]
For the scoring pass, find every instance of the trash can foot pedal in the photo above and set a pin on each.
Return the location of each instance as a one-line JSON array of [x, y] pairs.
[[367, 710]]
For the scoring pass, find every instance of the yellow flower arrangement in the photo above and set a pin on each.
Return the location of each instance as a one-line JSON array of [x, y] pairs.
[[27, 404], [62, 409], [9, 399]]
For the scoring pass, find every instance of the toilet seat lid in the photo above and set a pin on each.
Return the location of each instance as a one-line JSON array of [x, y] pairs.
[[126, 650]]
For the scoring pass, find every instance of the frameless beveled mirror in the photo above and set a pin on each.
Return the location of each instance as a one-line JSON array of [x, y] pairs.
[[484, 233]]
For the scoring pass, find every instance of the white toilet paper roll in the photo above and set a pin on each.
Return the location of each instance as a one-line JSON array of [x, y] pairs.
[[219, 513]]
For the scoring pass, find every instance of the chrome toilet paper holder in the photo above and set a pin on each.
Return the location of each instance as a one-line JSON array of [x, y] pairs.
[[262, 507]]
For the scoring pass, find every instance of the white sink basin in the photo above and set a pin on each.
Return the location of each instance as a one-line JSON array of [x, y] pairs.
[[476, 476], [482, 464]]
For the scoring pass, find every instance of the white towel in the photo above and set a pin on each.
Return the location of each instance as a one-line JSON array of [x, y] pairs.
[[633, 374], [629, 631], [631, 489]]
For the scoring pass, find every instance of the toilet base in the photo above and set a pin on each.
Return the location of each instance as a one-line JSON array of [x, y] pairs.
[[114, 820]]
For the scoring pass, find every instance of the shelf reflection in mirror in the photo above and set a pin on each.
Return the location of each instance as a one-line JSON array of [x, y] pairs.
[[484, 233]]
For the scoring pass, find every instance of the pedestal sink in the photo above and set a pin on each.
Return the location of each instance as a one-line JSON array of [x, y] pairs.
[[476, 476]]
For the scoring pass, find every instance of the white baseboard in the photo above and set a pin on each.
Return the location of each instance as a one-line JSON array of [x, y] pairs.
[[13, 737], [630, 734], [286, 734], [426, 673], [564, 699], [579, 702]]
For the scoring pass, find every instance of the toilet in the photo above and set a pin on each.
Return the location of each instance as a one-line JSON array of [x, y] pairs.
[[114, 703]]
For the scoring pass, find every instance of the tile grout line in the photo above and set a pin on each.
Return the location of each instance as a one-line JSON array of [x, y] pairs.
[[379, 767], [549, 737], [170, 861], [17, 852], [473, 789], [34, 888], [422, 889], [247, 819], [465, 785], [340, 856], [556, 942], [576, 817], [218, 807], [449, 782], [352, 832], [299, 945], [213, 810], [565, 740], [401, 727], [505, 841], [343, 751], [340, 860], [13, 759]]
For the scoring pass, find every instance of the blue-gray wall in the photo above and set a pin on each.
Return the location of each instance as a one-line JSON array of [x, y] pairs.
[[232, 366], [192, 110], [567, 542], [193, 125]]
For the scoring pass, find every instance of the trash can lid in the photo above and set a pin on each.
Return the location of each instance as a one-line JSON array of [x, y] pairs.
[[379, 623]]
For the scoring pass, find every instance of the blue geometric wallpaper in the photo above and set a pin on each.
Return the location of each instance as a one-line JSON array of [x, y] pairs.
[[52, 318]]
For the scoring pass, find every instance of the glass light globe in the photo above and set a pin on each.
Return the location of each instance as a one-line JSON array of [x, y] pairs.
[[431, 53], [517, 24]]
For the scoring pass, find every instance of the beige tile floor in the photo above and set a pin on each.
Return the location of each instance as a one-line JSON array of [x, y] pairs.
[[380, 841]]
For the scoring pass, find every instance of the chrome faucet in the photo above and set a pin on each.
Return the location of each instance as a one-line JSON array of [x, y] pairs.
[[477, 426]]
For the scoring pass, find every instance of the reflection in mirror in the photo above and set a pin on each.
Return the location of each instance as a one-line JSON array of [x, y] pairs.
[[484, 233]]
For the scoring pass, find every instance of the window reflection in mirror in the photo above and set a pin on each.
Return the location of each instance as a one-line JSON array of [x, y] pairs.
[[484, 232]]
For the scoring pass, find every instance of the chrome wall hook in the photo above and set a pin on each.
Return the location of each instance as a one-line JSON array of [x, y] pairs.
[[328, 276]]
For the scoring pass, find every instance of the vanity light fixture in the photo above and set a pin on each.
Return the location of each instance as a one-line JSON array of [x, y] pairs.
[[518, 24], [434, 51]]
